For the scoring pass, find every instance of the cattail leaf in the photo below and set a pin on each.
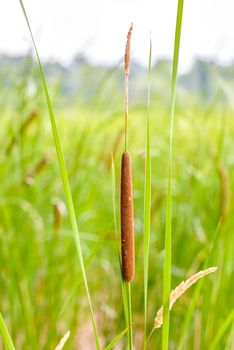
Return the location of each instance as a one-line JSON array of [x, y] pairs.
[[147, 198], [168, 229], [64, 176]]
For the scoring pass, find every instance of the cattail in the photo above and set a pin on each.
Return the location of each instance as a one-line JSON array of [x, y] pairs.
[[59, 209], [31, 117], [224, 192], [40, 165], [115, 147], [25, 125], [126, 200], [127, 222]]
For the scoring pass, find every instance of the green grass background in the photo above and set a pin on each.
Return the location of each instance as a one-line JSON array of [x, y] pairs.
[[41, 289]]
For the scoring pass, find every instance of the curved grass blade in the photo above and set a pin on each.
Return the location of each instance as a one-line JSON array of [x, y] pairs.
[[147, 198], [5, 334], [112, 344], [167, 259], [64, 177]]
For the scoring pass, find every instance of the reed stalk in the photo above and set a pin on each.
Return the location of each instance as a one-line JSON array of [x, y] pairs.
[[126, 205]]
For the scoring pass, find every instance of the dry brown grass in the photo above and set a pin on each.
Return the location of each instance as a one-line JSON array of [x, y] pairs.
[[63, 341], [178, 292]]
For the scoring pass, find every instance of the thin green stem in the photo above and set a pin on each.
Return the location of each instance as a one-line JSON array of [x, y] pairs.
[[126, 113], [64, 176], [147, 199], [130, 332], [167, 259]]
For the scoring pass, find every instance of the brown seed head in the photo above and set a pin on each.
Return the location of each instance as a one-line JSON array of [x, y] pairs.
[[127, 50], [224, 192], [127, 221], [40, 165], [126, 70], [179, 291]]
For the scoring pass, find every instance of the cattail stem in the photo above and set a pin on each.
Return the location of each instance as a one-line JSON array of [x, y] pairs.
[[127, 222], [130, 333], [126, 205]]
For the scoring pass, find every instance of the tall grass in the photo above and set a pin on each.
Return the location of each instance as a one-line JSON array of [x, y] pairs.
[[126, 206], [168, 230], [64, 176], [40, 279], [147, 198]]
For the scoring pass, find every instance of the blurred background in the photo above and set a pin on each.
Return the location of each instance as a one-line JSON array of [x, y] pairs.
[[81, 45]]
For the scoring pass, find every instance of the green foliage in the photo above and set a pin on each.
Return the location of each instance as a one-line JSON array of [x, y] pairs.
[[66, 184], [41, 290], [39, 270]]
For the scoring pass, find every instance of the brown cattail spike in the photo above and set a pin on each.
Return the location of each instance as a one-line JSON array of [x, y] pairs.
[[224, 192], [41, 164], [31, 117], [127, 222]]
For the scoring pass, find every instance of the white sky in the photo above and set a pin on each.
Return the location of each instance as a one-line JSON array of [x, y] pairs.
[[64, 28]]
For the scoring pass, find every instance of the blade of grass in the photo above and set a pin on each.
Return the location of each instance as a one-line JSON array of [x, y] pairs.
[[167, 259], [65, 180], [222, 330], [147, 199], [5, 334], [112, 344]]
